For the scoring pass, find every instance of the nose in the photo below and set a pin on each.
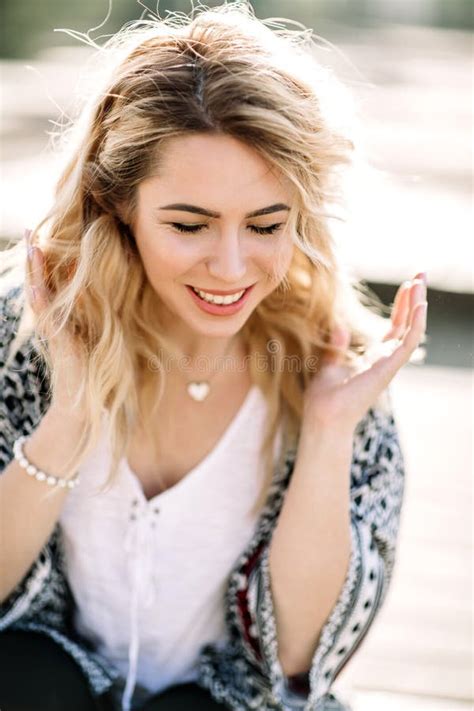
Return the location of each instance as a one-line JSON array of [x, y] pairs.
[[227, 264]]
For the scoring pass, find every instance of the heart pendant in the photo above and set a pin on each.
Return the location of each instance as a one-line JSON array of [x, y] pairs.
[[199, 391]]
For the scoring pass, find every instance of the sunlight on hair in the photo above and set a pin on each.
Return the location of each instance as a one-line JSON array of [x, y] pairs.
[[217, 70]]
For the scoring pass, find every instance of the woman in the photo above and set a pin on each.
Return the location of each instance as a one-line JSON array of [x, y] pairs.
[[202, 478]]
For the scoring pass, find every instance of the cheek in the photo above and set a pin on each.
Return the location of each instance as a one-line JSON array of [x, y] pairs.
[[166, 261]]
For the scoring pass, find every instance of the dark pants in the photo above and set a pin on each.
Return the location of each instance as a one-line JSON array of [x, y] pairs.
[[36, 674]]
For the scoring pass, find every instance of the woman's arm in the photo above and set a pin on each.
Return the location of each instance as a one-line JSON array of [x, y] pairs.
[[27, 516], [332, 636], [317, 503], [306, 615], [29, 509], [311, 546]]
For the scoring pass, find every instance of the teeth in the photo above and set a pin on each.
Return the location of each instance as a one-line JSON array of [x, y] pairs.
[[222, 300]]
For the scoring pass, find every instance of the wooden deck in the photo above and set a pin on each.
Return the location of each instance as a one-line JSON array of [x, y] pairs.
[[418, 653]]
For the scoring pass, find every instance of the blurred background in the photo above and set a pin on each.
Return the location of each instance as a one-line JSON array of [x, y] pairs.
[[409, 65]]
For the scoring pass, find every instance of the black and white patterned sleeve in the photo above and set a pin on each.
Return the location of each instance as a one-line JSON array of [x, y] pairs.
[[11, 385], [22, 397], [377, 486], [24, 387]]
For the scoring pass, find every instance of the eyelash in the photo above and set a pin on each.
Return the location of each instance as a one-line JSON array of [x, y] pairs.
[[271, 229]]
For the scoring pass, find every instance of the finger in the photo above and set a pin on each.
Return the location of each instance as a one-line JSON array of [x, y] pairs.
[[38, 292], [29, 282], [400, 298], [423, 276], [401, 306], [414, 295], [27, 236], [400, 312], [389, 365], [417, 293], [417, 328], [367, 385]]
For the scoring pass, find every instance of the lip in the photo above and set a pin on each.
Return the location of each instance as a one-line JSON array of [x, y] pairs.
[[215, 309], [218, 292]]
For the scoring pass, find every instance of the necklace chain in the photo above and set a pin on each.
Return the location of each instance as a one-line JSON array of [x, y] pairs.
[[198, 390]]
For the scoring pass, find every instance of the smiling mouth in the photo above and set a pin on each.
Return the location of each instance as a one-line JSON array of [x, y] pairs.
[[224, 303], [219, 299], [219, 293]]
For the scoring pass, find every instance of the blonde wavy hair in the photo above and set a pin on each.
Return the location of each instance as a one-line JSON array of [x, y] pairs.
[[223, 71]]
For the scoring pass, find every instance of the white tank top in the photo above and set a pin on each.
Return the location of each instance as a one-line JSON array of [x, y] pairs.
[[149, 577]]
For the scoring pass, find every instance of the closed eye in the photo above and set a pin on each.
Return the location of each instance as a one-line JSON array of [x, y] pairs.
[[269, 230], [186, 228]]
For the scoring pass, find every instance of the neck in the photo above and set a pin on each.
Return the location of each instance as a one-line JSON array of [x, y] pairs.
[[204, 358]]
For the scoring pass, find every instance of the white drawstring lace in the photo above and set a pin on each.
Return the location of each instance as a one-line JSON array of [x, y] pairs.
[[139, 547]]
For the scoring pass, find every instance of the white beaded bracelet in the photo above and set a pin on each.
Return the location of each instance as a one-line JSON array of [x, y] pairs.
[[31, 470]]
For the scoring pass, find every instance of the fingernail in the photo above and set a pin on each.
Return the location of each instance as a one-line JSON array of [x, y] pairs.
[[424, 276]]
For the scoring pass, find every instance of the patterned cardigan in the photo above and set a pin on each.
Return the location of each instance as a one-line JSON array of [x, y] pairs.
[[245, 673]]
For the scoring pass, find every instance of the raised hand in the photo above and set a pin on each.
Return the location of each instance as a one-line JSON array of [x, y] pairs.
[[337, 397], [64, 352]]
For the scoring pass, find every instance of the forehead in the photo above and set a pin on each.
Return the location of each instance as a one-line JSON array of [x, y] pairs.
[[213, 171]]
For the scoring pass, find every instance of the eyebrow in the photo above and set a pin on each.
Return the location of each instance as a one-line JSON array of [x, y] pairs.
[[183, 207]]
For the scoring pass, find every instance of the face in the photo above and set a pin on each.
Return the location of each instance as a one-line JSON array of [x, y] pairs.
[[214, 220]]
